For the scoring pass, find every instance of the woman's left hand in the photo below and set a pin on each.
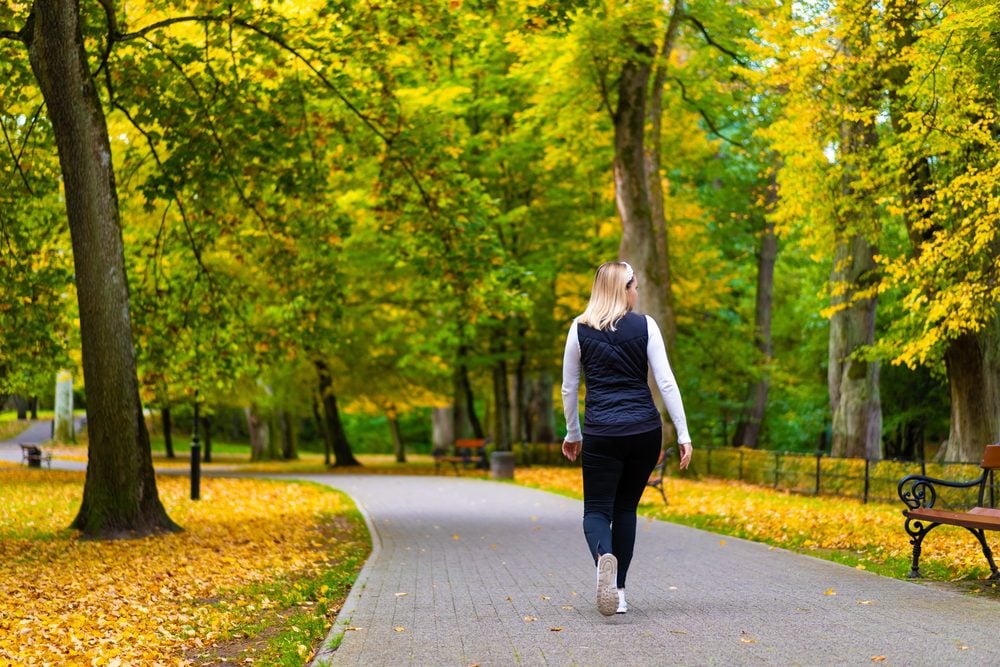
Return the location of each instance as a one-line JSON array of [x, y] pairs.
[[571, 449], [685, 448]]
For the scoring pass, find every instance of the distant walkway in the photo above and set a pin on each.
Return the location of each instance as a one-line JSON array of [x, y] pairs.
[[470, 572], [37, 432]]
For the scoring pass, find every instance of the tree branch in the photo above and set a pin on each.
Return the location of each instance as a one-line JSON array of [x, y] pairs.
[[708, 120], [708, 38], [112, 20], [17, 157]]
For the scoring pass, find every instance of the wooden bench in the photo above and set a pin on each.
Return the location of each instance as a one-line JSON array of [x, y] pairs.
[[467, 452], [659, 471], [34, 455], [920, 492]]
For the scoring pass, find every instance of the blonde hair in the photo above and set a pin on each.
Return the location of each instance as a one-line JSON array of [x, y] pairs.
[[608, 299]]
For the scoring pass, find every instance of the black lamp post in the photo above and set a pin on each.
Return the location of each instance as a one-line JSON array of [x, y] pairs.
[[195, 455]]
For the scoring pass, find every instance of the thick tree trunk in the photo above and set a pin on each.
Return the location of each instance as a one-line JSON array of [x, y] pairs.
[[973, 362], [748, 428], [342, 454], [853, 382], [168, 436], [120, 495], [638, 244], [658, 289]]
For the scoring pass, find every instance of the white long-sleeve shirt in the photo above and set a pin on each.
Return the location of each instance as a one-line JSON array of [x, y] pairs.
[[656, 354]]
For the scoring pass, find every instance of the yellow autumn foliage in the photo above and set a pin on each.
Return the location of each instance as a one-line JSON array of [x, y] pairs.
[[157, 600]]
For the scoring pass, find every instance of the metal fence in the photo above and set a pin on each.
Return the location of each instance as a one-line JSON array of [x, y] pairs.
[[804, 473]]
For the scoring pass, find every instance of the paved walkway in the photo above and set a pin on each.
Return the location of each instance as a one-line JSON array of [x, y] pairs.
[[471, 572]]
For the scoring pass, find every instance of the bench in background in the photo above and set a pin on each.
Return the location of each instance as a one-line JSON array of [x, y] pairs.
[[656, 477], [920, 492], [34, 455], [467, 452]]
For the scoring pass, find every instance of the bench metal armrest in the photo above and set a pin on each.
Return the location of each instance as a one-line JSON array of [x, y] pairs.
[[919, 490]]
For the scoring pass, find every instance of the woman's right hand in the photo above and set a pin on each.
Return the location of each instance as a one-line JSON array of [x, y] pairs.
[[571, 449]]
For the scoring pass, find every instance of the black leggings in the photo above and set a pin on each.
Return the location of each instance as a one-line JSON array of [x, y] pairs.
[[615, 472]]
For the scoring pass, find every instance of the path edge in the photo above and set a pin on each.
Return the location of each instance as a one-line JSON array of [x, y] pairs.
[[328, 648]]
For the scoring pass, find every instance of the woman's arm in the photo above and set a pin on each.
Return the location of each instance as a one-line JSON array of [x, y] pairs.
[[656, 351], [571, 394]]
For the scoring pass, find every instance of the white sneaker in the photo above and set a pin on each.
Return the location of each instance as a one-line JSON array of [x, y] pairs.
[[622, 605], [607, 580]]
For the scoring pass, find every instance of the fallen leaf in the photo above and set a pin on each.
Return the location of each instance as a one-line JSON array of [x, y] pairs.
[[399, 628], [545, 597], [454, 537], [399, 595], [555, 629], [679, 632], [878, 658], [567, 607], [722, 543], [830, 591], [529, 619], [864, 601]]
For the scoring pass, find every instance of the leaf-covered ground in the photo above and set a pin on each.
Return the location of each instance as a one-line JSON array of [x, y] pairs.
[[867, 536], [258, 574]]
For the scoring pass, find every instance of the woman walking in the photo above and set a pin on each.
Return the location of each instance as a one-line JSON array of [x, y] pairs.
[[622, 432]]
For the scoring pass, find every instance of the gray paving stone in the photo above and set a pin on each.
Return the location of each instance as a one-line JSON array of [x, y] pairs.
[[497, 574]]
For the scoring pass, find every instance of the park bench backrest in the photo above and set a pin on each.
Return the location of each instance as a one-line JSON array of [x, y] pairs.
[[991, 462], [991, 457]]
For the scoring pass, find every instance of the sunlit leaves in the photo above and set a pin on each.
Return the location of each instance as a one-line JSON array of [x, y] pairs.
[[150, 601]]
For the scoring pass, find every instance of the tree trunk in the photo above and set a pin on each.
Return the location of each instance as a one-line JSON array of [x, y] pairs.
[[750, 423], [465, 405], [259, 433], [289, 441], [853, 382], [206, 439], [342, 454], [120, 495], [396, 433], [442, 428], [541, 414], [321, 427], [658, 288], [34, 408], [22, 407], [168, 438], [973, 362], [501, 401]]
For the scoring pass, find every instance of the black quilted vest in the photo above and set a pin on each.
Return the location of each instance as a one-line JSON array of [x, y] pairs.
[[615, 367]]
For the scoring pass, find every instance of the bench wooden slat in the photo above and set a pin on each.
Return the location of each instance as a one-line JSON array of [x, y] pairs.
[[978, 517]]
